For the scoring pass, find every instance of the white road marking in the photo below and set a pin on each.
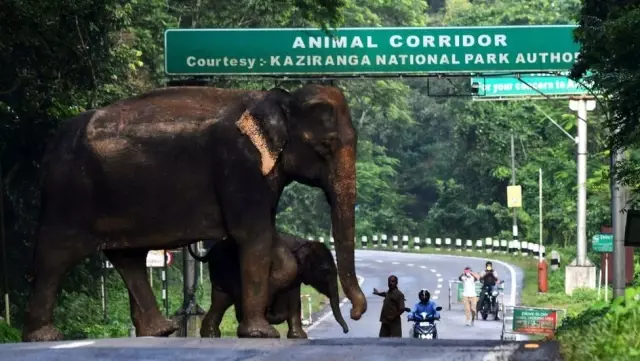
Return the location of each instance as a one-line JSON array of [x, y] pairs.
[[410, 265], [432, 270], [436, 291], [440, 279], [438, 275], [435, 297], [439, 285], [379, 260], [424, 267], [329, 313], [74, 344], [395, 262]]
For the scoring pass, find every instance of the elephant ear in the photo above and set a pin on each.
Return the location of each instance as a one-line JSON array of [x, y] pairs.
[[265, 123]]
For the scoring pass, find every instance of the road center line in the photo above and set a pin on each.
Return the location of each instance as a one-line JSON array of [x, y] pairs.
[[74, 344]]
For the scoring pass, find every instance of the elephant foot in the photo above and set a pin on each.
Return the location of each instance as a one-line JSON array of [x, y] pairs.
[[297, 334], [210, 333], [160, 327], [257, 329], [43, 334]]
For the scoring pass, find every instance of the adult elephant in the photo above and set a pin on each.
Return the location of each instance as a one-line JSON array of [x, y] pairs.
[[316, 267], [170, 167]]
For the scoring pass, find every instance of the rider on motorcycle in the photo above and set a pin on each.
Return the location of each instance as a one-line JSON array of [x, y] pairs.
[[489, 280], [425, 305]]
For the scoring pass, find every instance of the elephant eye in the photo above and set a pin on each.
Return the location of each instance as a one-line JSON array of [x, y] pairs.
[[325, 147]]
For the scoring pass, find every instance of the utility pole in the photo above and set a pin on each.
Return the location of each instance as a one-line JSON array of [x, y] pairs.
[[619, 220], [581, 272], [540, 223], [3, 243], [513, 183]]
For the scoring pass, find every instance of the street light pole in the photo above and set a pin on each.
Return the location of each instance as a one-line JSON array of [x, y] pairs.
[[513, 182]]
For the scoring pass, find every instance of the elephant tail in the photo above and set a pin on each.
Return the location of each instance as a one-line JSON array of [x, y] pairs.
[[202, 259]]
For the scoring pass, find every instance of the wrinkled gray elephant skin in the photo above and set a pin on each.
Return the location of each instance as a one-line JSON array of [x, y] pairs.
[[176, 165], [316, 267]]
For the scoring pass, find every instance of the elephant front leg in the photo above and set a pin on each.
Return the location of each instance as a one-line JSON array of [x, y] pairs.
[[220, 302], [294, 321], [255, 262], [144, 310]]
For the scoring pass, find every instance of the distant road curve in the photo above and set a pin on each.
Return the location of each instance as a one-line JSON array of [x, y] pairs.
[[416, 271]]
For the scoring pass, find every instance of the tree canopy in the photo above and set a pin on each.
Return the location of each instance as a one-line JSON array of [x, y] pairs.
[[606, 30], [427, 166]]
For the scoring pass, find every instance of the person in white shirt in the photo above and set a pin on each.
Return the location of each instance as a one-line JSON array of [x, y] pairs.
[[469, 295]]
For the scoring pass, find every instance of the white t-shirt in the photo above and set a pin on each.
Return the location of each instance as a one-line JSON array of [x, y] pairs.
[[469, 286]]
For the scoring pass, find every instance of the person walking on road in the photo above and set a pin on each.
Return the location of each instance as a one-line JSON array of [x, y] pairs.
[[392, 308], [469, 296]]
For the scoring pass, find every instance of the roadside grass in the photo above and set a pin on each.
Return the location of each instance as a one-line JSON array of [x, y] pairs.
[[318, 302]]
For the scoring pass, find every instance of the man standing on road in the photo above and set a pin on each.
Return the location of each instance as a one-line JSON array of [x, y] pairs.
[[469, 297], [392, 309]]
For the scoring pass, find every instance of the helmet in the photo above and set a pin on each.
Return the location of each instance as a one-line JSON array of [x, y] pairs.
[[424, 293]]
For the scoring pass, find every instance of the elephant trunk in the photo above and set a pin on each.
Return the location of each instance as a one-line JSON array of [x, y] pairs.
[[334, 301], [342, 198]]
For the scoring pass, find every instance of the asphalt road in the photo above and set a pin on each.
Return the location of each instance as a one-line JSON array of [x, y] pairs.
[[198, 349], [416, 271], [480, 342]]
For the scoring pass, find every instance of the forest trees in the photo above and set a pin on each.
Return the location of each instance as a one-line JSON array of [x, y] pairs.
[[427, 167], [606, 28]]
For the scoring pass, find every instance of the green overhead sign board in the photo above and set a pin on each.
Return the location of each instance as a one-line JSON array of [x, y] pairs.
[[362, 51], [510, 86]]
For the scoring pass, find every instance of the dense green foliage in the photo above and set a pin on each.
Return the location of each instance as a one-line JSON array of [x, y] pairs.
[[427, 166], [606, 331], [606, 27]]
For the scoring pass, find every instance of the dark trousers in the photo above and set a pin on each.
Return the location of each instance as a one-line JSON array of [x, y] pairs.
[[392, 329]]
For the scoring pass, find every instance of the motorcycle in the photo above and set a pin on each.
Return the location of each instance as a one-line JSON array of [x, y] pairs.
[[490, 304], [424, 325]]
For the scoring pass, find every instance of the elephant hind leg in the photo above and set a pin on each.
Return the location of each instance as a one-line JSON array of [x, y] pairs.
[[220, 302], [294, 321], [145, 314], [55, 254]]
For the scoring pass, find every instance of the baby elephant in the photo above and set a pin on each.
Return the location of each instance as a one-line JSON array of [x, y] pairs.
[[316, 267]]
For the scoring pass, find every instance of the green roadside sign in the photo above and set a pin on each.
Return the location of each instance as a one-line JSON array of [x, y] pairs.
[[535, 321], [510, 86], [602, 243], [361, 51]]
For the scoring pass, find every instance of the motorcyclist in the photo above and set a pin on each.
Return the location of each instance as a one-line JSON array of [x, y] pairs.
[[424, 305], [489, 279]]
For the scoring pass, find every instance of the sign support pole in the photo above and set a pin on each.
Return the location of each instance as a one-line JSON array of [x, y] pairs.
[[606, 276]]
